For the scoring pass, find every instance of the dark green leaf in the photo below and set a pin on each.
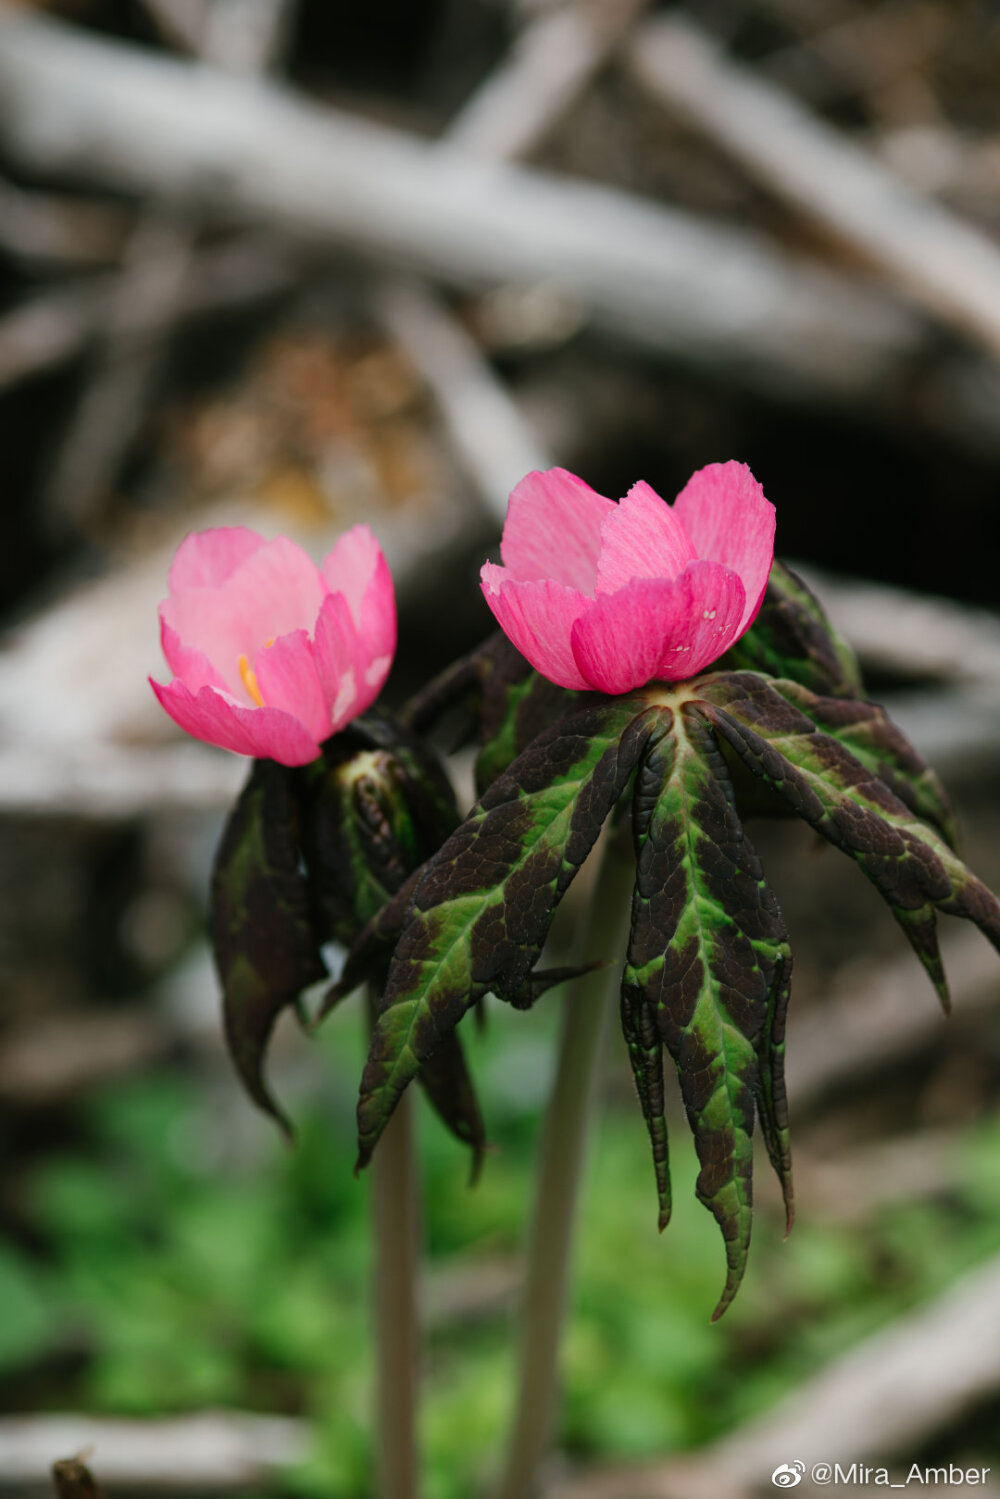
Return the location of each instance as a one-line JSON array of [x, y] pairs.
[[871, 736], [906, 859], [265, 942], [792, 637], [483, 906], [706, 949]]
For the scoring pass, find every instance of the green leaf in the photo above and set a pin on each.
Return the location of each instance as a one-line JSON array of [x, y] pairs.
[[482, 909], [792, 638], [380, 805], [906, 859], [706, 949], [261, 922]]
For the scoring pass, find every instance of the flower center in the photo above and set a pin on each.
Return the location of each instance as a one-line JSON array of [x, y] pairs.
[[249, 677]]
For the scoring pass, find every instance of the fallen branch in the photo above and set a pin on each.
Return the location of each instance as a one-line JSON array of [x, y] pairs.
[[40, 228], [84, 107], [925, 250], [911, 633], [491, 438], [555, 57], [863, 1025], [54, 327], [212, 1450], [240, 36], [879, 1403]]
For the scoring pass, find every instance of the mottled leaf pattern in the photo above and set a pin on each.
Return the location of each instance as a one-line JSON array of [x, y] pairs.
[[707, 943], [792, 638], [871, 736], [379, 806], [482, 909], [906, 859], [709, 967], [261, 920]]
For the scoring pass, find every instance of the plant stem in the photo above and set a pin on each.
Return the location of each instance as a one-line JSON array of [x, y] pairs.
[[396, 1215], [586, 1008]]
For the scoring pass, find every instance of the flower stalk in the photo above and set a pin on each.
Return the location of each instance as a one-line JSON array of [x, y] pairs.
[[396, 1217], [585, 1017]]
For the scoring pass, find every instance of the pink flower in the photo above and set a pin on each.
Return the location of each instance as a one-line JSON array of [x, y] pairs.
[[270, 653], [606, 596]]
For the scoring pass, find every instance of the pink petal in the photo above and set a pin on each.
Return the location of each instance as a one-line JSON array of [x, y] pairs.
[[265, 733], [205, 559], [276, 590], [641, 538], [287, 678], [553, 530], [723, 510], [350, 566], [538, 618], [658, 630], [194, 669], [357, 569], [376, 621], [340, 662]]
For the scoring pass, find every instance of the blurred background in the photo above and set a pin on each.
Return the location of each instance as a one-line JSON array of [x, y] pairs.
[[294, 264]]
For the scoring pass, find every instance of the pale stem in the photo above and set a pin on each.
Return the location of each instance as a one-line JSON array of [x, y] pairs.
[[586, 1008], [395, 1203]]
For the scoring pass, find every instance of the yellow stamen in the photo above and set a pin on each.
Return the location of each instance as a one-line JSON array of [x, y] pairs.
[[249, 679]]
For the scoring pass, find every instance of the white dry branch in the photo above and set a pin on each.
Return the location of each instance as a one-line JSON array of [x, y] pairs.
[[491, 439], [555, 57], [57, 231], [241, 37], [877, 1404], [921, 246], [83, 107], [214, 1450], [914, 634], [876, 1017], [54, 327]]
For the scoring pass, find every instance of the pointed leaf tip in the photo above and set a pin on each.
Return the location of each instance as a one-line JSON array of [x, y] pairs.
[[706, 943], [484, 903]]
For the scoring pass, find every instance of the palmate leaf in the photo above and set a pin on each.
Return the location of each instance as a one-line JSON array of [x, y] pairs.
[[708, 969], [833, 790], [482, 909], [708, 962], [792, 638], [261, 921]]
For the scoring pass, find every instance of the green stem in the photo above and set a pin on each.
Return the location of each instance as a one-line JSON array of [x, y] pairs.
[[562, 1153], [395, 1202]]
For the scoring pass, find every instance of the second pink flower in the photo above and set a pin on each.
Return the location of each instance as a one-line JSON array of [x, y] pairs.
[[605, 596]]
